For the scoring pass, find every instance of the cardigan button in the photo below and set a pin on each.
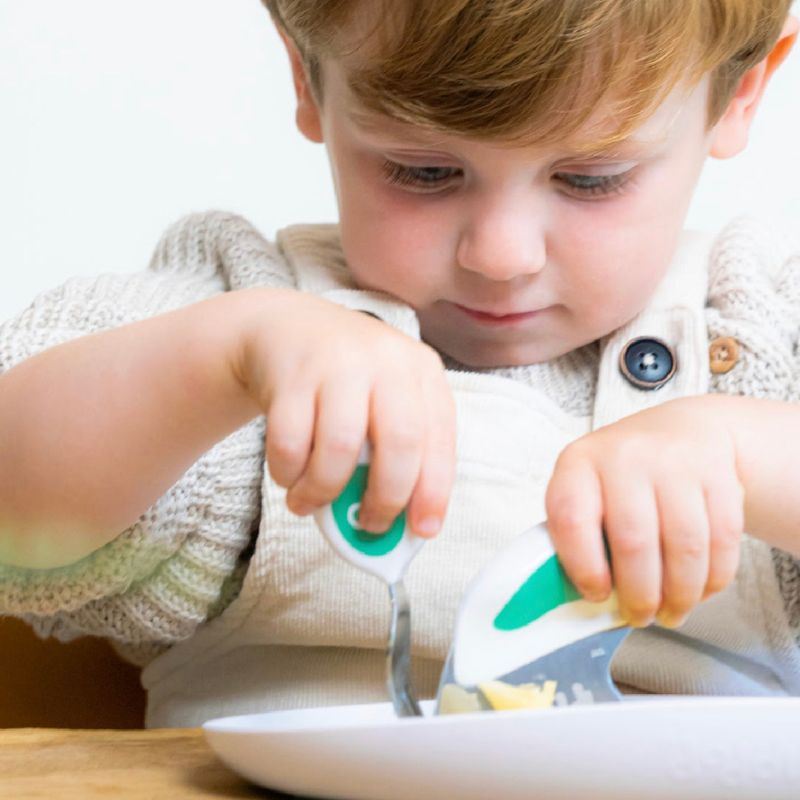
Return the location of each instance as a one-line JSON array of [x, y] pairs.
[[723, 353], [647, 363]]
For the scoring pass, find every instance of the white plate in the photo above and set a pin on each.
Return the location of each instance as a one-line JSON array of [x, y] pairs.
[[688, 748]]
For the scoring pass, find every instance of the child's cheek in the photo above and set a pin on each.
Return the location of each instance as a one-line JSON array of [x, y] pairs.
[[398, 246]]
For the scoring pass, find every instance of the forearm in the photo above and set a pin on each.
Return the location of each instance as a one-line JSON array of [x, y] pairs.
[[767, 440], [93, 431]]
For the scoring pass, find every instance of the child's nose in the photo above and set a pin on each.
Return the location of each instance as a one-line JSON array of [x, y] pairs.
[[503, 245]]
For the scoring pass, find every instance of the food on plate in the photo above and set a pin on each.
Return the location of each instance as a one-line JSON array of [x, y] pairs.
[[456, 699], [505, 697], [496, 696]]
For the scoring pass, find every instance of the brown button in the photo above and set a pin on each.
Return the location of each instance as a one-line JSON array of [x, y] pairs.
[[723, 353]]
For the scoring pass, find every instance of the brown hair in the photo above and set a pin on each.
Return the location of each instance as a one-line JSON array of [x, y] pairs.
[[488, 69]]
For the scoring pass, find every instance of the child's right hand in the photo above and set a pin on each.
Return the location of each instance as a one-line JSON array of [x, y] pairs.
[[328, 378]]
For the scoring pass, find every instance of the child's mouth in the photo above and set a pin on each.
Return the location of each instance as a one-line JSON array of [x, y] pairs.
[[496, 319]]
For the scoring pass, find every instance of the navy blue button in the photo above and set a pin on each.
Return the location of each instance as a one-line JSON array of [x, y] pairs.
[[647, 363]]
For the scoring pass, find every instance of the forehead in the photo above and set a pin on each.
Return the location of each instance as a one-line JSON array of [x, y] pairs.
[[678, 110]]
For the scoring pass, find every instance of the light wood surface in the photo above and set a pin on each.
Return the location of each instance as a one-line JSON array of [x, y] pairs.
[[174, 764]]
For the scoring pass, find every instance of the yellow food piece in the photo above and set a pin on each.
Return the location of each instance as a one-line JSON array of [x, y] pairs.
[[457, 700], [504, 697]]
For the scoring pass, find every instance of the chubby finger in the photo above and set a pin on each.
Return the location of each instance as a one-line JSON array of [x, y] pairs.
[[396, 432], [428, 504], [632, 528], [340, 429], [725, 509], [289, 436], [574, 518], [684, 549]]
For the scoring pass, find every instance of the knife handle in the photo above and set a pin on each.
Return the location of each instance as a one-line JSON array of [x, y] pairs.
[[521, 607]]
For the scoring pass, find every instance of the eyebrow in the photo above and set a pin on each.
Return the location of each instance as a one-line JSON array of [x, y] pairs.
[[625, 147], [386, 126]]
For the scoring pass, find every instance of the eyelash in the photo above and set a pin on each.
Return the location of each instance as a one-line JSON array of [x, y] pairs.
[[586, 186], [413, 176]]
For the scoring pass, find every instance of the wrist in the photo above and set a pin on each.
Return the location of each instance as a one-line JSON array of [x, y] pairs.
[[261, 315], [729, 412], [219, 335]]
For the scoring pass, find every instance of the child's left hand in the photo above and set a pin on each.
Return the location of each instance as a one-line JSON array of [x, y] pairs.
[[663, 486]]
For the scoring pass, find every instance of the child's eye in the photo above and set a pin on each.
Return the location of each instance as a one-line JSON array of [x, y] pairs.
[[420, 178], [594, 185]]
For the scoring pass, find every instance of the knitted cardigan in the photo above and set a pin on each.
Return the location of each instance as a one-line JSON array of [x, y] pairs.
[[184, 559]]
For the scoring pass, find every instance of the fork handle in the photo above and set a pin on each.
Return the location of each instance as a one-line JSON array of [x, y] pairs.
[[385, 555]]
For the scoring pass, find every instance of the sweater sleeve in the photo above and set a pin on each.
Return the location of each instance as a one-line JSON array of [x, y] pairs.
[[754, 297], [182, 560]]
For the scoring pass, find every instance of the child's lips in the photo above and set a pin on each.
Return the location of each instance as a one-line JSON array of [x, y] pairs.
[[497, 318]]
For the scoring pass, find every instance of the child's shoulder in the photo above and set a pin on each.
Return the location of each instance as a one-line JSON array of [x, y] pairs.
[[227, 245], [755, 245], [222, 245], [754, 301]]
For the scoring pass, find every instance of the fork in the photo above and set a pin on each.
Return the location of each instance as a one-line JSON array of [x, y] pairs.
[[386, 556]]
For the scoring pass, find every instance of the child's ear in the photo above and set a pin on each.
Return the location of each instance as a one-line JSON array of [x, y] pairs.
[[307, 114], [731, 131]]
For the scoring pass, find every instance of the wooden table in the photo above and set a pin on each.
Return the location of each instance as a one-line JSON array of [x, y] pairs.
[[174, 764]]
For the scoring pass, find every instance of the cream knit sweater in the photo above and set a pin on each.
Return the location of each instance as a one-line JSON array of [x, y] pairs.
[[184, 560]]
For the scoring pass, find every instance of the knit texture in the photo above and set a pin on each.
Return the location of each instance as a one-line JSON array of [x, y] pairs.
[[569, 379], [754, 297], [184, 560]]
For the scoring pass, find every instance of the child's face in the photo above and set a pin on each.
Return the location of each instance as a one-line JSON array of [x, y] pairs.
[[582, 242]]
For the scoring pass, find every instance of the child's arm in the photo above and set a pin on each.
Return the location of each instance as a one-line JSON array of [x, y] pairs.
[[767, 437], [95, 430]]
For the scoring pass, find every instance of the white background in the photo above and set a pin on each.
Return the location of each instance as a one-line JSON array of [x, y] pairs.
[[120, 117]]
